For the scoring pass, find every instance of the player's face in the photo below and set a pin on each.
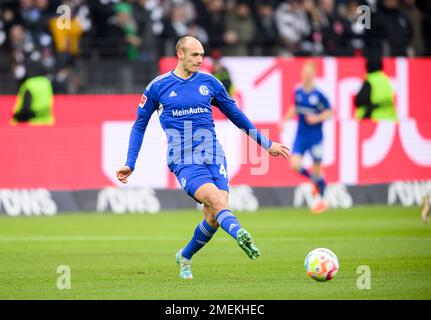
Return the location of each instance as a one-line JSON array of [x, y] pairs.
[[192, 57], [308, 75]]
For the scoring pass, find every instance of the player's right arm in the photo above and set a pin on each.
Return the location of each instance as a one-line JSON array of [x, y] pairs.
[[146, 107]]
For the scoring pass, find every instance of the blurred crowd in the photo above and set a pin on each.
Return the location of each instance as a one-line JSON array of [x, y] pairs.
[[36, 33]]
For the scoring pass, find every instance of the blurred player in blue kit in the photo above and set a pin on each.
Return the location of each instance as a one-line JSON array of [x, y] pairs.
[[183, 99], [312, 108]]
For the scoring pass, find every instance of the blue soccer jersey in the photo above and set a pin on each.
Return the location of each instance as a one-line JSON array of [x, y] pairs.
[[184, 107], [311, 102]]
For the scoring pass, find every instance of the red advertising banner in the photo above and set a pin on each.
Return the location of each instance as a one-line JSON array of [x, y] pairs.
[[90, 136]]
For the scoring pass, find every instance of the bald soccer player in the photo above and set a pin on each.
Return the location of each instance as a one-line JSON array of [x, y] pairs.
[[183, 99]]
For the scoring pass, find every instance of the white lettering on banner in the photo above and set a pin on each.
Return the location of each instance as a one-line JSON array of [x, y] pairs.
[[27, 202], [417, 148], [400, 84], [336, 195], [150, 171], [408, 193], [376, 148], [128, 200], [349, 159], [261, 103], [264, 84], [242, 198]]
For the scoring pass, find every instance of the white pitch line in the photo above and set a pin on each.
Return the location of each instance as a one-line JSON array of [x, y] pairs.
[[283, 238], [122, 238], [87, 238]]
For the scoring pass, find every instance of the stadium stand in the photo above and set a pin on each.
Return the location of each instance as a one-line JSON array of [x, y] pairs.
[[108, 36]]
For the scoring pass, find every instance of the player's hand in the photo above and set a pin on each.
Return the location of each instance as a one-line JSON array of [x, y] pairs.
[[278, 149], [123, 173], [312, 119]]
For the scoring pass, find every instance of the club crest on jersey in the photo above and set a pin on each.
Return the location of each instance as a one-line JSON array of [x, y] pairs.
[[183, 182], [203, 89], [313, 99], [142, 101]]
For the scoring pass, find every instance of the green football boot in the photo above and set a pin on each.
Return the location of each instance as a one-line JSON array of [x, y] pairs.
[[185, 266], [246, 243]]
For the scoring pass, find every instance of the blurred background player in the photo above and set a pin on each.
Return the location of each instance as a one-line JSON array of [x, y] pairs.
[[31, 59], [221, 72], [312, 108], [375, 99], [34, 103]]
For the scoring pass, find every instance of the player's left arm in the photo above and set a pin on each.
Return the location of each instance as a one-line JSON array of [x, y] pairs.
[[226, 105], [324, 115]]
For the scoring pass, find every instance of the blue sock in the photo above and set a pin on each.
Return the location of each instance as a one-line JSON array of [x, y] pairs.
[[321, 184], [304, 172], [228, 222], [203, 234]]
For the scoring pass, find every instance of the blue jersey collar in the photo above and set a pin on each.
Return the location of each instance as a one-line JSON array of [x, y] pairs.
[[193, 76]]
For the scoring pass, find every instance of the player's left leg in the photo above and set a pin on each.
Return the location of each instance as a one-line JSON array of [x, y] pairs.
[[225, 217], [316, 152], [320, 204], [217, 205], [298, 150], [317, 178]]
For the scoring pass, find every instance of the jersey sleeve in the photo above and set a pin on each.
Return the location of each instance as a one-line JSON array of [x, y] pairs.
[[146, 107], [324, 101], [225, 103]]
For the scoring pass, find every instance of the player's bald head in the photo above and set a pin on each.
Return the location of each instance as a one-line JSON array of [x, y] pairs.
[[190, 53], [308, 72], [188, 42], [309, 66]]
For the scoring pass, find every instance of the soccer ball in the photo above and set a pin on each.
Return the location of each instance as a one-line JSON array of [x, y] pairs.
[[321, 264]]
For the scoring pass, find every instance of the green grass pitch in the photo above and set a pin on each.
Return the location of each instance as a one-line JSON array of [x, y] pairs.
[[132, 256]]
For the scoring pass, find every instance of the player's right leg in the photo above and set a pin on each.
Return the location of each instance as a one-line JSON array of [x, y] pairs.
[[215, 200], [191, 177], [298, 150]]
